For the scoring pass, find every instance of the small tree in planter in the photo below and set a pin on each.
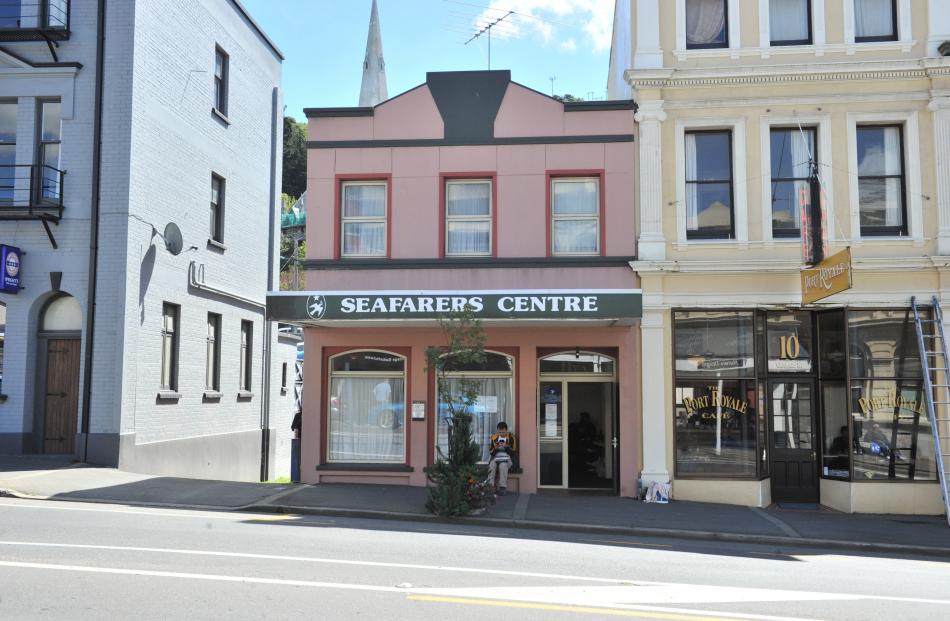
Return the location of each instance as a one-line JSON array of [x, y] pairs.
[[456, 488]]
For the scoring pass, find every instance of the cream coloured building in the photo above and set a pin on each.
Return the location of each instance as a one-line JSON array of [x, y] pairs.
[[750, 396]]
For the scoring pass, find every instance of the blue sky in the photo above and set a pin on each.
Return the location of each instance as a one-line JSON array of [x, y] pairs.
[[324, 42]]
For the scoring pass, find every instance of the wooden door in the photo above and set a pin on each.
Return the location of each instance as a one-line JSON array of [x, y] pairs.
[[62, 395], [794, 462]]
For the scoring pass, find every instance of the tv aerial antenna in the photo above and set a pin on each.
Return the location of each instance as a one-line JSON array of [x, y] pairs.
[[488, 29]]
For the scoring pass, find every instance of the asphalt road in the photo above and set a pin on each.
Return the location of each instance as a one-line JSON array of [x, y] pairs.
[[63, 560]]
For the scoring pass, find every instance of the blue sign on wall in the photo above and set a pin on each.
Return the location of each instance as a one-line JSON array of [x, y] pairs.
[[10, 262]]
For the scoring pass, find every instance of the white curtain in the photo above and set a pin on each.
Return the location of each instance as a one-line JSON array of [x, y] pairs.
[[486, 412], [873, 18], [575, 236], [788, 20], [692, 190], [893, 211], [468, 199], [705, 21], [361, 419], [469, 237], [575, 197], [364, 201], [364, 238]]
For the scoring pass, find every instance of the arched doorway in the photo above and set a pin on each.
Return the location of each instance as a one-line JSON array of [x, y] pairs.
[[58, 375], [578, 429]]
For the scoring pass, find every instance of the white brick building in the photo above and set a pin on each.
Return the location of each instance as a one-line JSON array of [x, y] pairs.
[[190, 101]]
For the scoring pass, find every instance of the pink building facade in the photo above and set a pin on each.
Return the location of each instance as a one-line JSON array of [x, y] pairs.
[[471, 190]]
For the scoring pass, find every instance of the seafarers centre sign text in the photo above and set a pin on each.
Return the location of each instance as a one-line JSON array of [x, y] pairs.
[[398, 305]]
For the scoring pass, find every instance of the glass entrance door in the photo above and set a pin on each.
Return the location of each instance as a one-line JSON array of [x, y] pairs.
[[551, 435], [792, 426], [591, 435], [577, 435]]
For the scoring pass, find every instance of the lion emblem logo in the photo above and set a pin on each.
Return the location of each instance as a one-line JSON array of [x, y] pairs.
[[316, 306]]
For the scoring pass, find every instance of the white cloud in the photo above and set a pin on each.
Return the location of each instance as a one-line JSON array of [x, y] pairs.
[[554, 20]]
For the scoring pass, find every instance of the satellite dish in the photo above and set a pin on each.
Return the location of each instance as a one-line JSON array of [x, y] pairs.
[[172, 237]]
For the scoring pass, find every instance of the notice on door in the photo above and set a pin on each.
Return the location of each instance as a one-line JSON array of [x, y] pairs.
[[550, 420]]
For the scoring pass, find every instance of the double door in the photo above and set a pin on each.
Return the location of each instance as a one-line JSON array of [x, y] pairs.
[[578, 435], [792, 429]]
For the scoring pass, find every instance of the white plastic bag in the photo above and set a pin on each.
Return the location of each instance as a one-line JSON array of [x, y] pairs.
[[658, 492]]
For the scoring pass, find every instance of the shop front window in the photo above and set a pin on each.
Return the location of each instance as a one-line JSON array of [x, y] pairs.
[[891, 437], [366, 408], [494, 402], [716, 428], [717, 399], [714, 344], [790, 342]]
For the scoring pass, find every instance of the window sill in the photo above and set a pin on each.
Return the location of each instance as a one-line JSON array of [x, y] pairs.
[[362, 467], [212, 395], [168, 395], [483, 468], [245, 395], [849, 49], [216, 245], [686, 244], [221, 116]]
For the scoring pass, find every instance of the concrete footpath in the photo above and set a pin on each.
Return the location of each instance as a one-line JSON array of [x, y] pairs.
[[800, 525]]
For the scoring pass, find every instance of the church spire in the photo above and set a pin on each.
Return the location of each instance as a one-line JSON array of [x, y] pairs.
[[373, 90]]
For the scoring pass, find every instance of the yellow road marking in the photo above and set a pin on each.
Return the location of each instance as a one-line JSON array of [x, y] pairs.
[[275, 518], [568, 608], [631, 543]]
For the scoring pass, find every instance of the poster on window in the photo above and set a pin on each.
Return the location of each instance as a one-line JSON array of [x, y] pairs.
[[486, 404]]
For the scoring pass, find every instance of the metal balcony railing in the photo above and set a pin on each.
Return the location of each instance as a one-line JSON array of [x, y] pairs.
[[31, 192], [34, 20]]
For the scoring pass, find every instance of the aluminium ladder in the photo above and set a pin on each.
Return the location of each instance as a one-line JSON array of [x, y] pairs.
[[936, 368]]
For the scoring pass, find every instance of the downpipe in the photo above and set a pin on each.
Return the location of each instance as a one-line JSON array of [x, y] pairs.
[[268, 328]]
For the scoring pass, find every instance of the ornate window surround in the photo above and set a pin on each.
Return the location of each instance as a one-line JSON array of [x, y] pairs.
[[739, 180], [817, 8], [819, 47], [823, 145], [909, 119], [904, 28]]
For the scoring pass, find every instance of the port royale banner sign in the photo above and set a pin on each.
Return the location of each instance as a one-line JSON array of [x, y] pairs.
[[329, 306], [833, 275]]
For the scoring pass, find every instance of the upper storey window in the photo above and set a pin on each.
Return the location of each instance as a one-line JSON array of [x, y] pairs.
[[709, 200], [364, 219], [468, 218], [881, 183], [221, 62], [706, 24], [575, 212], [7, 150], [790, 22], [875, 20]]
